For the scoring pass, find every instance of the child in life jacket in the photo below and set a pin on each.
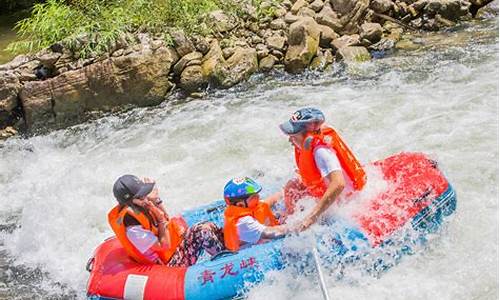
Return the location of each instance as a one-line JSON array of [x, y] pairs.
[[149, 235], [247, 219]]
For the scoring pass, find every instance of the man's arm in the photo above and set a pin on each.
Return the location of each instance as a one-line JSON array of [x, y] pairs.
[[274, 232], [335, 187]]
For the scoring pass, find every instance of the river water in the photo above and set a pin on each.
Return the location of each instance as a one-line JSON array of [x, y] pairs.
[[441, 99]]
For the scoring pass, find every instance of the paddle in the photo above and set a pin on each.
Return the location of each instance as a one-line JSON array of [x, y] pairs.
[[320, 274]]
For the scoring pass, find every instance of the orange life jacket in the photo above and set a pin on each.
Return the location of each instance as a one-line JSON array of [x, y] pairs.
[[310, 173], [262, 213], [175, 227]]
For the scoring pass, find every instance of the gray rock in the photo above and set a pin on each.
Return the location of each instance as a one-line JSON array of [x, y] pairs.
[[449, 9], [117, 81], [345, 41], [306, 12], [276, 42], [381, 6], [327, 36], [490, 11], [182, 44], [371, 31], [183, 61], [266, 64], [303, 40], [353, 54], [316, 5], [298, 5]]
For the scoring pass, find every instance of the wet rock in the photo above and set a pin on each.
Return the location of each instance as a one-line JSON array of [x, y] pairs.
[[182, 44], [192, 79], [329, 56], [7, 132], [9, 88], [318, 63], [345, 41], [298, 5], [303, 43], [239, 67], [406, 45], [489, 11], [221, 22], [371, 32], [353, 54], [276, 42], [64, 100], [266, 64], [316, 5], [183, 61], [443, 22], [327, 36], [381, 6]]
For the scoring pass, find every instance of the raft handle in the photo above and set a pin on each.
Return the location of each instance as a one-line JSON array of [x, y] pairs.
[[222, 254], [89, 264]]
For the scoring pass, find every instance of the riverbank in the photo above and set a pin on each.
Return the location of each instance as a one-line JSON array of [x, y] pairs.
[[54, 88]]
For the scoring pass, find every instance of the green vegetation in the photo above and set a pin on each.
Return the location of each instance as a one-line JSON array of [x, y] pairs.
[[91, 27]]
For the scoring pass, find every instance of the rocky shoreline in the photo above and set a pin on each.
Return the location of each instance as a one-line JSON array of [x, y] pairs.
[[53, 89]]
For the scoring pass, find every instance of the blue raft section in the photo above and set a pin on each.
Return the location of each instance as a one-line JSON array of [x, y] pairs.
[[230, 274]]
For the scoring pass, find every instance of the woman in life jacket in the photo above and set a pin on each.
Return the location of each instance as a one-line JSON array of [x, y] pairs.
[[247, 219], [325, 164], [149, 235]]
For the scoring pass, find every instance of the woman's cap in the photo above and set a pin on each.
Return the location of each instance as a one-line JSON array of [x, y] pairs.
[[129, 187]]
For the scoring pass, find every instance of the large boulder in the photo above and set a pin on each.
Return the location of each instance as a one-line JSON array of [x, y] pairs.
[[355, 16], [381, 6], [449, 9], [488, 11], [192, 79], [303, 43], [213, 62], [329, 18], [9, 88], [136, 79], [182, 44], [239, 67]]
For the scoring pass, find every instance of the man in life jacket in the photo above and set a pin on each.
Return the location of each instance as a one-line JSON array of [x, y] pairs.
[[149, 235], [325, 164], [247, 219]]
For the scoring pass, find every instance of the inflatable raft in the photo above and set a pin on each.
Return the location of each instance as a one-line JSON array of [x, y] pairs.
[[416, 200]]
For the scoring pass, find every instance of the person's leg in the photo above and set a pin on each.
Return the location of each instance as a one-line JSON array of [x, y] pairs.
[[203, 236], [293, 191]]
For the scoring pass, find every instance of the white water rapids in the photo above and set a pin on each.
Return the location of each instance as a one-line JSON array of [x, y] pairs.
[[443, 100]]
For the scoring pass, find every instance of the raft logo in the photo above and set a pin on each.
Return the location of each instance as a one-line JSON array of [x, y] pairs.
[[239, 180], [296, 116]]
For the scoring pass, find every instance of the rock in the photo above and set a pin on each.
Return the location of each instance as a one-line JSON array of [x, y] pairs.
[[279, 12], [353, 54], [192, 79], [443, 22], [266, 64], [345, 41], [64, 100], [303, 44], [406, 45], [7, 132], [489, 11], [277, 53], [49, 59], [276, 42], [318, 63], [9, 88], [329, 18], [201, 44], [343, 6], [182, 63], [298, 5], [182, 44], [212, 61], [381, 6], [290, 18], [306, 12], [383, 45], [155, 44], [449, 9], [220, 22], [16, 62], [371, 31], [228, 52], [287, 4], [354, 17], [278, 24], [262, 51], [327, 36], [118, 52], [316, 5], [329, 56], [254, 40], [239, 66]]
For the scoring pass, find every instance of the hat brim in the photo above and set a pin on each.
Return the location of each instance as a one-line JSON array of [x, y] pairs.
[[144, 190], [290, 128]]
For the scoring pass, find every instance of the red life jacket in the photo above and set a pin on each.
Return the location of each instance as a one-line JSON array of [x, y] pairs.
[[262, 213], [310, 173], [175, 227]]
